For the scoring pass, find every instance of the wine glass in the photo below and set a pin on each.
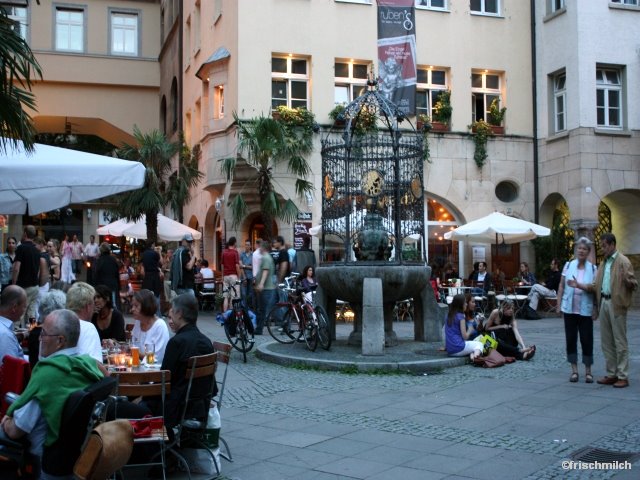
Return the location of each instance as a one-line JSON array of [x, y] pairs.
[[150, 353]]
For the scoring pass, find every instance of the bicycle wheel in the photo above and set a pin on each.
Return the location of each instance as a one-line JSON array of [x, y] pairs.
[[239, 341], [310, 332], [324, 333], [280, 330]]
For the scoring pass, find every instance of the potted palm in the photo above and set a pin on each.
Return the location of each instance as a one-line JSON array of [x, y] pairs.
[[442, 111], [496, 116]]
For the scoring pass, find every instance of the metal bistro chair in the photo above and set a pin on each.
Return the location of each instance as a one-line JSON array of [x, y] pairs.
[[200, 374], [223, 351], [148, 384]]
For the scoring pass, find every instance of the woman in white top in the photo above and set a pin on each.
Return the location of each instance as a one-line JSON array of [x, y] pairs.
[[147, 328]]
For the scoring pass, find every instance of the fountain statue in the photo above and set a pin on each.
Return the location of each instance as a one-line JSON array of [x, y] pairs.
[[373, 238]]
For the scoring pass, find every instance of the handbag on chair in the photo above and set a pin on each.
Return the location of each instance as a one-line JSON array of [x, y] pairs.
[[107, 450]]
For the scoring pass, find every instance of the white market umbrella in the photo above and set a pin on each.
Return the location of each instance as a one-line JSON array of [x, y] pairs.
[[54, 177], [168, 230], [497, 228]]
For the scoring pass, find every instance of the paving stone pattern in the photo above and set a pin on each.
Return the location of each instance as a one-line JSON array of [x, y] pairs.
[[519, 421]]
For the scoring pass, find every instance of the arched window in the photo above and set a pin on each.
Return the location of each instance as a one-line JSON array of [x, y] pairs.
[[174, 105], [163, 115], [440, 220]]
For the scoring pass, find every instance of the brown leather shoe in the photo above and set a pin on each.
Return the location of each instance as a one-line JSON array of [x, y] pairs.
[[622, 383], [607, 380]]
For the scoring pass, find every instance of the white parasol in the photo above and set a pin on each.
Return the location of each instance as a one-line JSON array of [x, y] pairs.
[[498, 228], [168, 230], [53, 177]]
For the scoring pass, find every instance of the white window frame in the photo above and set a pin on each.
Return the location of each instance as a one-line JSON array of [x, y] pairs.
[[70, 24], [483, 8], [555, 5], [366, 2], [560, 102], [218, 98], [625, 2], [115, 30], [487, 93], [428, 5], [430, 88], [608, 90], [352, 84], [290, 78], [20, 16]]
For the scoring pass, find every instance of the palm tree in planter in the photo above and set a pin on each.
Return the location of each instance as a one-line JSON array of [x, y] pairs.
[[264, 144], [162, 187], [496, 116]]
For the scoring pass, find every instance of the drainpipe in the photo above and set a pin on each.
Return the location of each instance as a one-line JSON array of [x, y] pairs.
[[534, 94]]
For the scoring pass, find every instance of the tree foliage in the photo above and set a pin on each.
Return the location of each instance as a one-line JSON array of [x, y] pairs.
[[265, 143], [163, 187], [18, 66]]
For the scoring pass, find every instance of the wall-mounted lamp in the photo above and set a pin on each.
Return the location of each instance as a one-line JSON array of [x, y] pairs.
[[309, 197], [89, 212], [218, 203]]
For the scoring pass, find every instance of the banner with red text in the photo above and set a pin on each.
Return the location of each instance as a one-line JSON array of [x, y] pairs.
[[397, 53]]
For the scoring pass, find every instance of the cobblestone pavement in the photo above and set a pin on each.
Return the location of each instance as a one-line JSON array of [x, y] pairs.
[[519, 421]]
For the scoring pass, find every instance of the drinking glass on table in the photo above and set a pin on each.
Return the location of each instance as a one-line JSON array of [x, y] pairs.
[[150, 353]]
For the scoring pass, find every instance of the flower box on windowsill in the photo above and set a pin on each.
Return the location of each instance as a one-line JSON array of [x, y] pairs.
[[495, 129], [275, 114], [439, 127]]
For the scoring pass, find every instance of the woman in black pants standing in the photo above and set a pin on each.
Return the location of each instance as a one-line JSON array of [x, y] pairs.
[[575, 301], [505, 327]]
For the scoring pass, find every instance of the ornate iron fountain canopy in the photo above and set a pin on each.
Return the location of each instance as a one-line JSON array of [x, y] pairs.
[[372, 186]]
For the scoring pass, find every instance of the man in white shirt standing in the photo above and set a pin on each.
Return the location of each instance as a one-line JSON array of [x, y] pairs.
[[91, 252], [80, 300], [256, 258]]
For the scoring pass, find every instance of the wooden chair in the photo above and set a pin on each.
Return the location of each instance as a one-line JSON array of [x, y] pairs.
[[223, 351], [148, 384], [200, 374]]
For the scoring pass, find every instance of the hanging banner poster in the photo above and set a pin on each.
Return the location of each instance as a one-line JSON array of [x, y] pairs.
[[397, 53]]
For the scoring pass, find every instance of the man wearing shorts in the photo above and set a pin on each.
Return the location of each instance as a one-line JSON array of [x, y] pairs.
[[231, 272]]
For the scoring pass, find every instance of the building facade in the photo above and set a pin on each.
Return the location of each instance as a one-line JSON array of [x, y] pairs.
[[589, 116], [250, 56], [100, 77]]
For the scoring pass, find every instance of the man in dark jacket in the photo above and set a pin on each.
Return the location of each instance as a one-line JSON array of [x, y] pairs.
[[107, 273], [186, 343]]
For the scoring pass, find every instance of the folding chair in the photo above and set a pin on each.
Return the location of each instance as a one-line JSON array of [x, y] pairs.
[[548, 305], [223, 351], [201, 384], [148, 384]]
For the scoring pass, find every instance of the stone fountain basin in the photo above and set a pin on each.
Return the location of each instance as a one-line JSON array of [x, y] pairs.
[[398, 281]]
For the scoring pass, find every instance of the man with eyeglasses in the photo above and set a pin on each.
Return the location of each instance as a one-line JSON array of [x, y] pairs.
[[60, 372]]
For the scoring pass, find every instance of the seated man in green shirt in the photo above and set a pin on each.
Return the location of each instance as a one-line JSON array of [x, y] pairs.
[[59, 373]]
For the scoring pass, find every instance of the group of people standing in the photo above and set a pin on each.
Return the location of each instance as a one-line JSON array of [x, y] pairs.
[[260, 269], [583, 293], [586, 294]]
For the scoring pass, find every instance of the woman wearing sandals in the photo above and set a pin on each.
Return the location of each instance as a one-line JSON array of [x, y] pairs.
[[575, 301], [456, 333], [505, 327]]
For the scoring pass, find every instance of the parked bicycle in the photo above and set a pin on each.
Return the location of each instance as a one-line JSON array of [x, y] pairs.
[[238, 327], [301, 320]]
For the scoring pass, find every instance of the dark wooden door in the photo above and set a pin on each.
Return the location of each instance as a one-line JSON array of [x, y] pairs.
[[507, 257]]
